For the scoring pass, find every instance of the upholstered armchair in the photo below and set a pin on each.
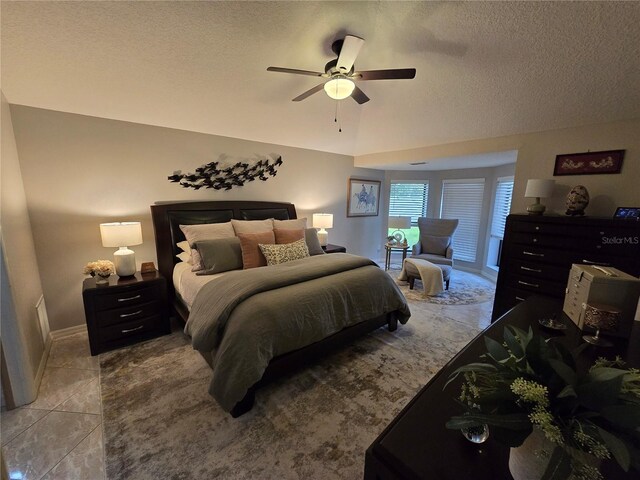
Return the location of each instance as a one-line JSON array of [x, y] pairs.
[[435, 240]]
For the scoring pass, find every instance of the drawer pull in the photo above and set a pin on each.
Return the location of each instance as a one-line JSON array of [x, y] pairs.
[[127, 330], [520, 299], [125, 315], [537, 228], [528, 284], [531, 269], [591, 262], [129, 298], [533, 254]]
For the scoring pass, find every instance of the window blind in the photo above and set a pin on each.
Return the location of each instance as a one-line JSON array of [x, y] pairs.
[[409, 199], [462, 199], [501, 206]]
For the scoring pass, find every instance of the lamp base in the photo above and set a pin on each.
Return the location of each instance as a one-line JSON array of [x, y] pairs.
[[536, 208], [323, 237], [125, 262]]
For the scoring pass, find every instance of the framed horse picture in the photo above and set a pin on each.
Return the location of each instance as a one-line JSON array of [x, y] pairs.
[[363, 198]]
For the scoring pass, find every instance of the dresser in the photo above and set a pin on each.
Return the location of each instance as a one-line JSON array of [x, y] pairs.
[[416, 445], [538, 251], [126, 311]]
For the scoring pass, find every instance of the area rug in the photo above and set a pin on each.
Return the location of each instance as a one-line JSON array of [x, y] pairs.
[[160, 422], [465, 288]]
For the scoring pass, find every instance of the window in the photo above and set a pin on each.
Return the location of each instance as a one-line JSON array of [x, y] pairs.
[[501, 208], [409, 200], [462, 199]]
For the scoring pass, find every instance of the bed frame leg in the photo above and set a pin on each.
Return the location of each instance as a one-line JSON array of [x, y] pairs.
[[393, 323], [244, 405]]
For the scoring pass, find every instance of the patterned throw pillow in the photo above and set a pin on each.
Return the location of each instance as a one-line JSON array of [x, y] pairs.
[[276, 254]]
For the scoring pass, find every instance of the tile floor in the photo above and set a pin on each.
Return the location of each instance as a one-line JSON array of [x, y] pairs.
[[59, 435]]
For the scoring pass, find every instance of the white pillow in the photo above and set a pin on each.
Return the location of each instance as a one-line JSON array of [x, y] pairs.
[[184, 246], [252, 226], [184, 257], [207, 231], [290, 224]]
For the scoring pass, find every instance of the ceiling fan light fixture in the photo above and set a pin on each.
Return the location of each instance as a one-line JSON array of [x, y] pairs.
[[339, 87]]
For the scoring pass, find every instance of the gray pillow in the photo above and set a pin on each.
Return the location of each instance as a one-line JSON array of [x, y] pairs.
[[434, 244], [313, 244], [219, 255]]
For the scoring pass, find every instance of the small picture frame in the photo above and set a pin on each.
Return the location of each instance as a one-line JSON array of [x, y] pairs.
[[589, 163], [363, 197], [628, 213], [147, 267]]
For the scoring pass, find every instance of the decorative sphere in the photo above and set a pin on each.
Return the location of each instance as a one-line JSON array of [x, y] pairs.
[[577, 200]]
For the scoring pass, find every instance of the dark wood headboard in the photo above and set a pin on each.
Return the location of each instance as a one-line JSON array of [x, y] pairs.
[[167, 218]]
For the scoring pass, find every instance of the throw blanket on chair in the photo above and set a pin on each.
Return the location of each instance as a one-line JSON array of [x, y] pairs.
[[430, 274]]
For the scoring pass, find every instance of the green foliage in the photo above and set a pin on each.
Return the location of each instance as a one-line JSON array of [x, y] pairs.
[[527, 382]]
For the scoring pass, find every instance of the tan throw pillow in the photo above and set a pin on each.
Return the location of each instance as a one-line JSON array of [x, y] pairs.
[[290, 224], [252, 226], [288, 236], [207, 231], [277, 254], [252, 257]]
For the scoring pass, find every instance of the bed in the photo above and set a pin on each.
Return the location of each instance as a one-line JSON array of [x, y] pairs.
[[247, 307]]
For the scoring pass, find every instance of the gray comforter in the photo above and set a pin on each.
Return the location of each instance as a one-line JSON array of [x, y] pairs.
[[247, 317]]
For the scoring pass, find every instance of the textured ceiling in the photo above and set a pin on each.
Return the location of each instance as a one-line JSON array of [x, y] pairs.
[[483, 69]]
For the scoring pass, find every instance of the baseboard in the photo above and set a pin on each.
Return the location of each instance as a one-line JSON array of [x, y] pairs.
[[43, 360], [65, 332]]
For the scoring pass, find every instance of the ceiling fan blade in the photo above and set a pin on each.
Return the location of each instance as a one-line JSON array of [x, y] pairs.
[[349, 51], [359, 96], [308, 93], [395, 74], [294, 71]]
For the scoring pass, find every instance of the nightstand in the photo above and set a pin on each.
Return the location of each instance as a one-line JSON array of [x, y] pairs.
[[329, 248], [127, 310]]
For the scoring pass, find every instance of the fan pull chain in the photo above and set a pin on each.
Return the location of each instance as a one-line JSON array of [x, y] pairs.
[[335, 118]]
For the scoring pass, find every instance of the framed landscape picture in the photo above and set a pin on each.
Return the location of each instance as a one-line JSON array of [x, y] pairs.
[[363, 197], [589, 163]]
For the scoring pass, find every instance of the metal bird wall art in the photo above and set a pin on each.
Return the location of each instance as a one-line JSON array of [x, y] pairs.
[[213, 175]]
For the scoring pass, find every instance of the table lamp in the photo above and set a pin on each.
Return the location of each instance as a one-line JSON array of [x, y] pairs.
[[600, 317], [399, 223], [538, 188], [322, 221], [122, 235]]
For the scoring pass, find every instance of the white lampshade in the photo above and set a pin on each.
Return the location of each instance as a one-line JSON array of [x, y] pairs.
[[323, 220], [339, 87], [539, 188], [122, 234], [399, 222]]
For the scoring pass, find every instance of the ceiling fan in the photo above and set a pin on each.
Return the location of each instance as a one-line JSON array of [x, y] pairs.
[[341, 73]]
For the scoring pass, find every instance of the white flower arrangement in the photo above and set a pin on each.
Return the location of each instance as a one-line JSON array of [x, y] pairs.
[[103, 268]]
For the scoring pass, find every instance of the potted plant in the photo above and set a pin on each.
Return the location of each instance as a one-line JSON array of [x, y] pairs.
[[528, 383]]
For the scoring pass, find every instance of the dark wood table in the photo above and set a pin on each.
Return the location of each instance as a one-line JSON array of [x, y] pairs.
[[416, 445]]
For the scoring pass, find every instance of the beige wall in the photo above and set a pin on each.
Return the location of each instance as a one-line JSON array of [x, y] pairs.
[[79, 171], [536, 157], [22, 341]]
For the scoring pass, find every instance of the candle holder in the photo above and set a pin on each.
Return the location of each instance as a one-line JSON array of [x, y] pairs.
[[600, 317]]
